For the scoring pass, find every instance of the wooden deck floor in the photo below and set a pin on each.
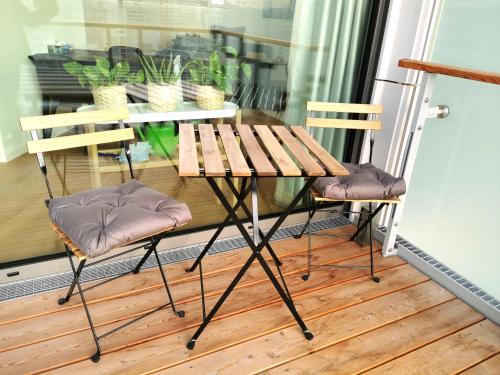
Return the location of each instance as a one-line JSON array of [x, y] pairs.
[[405, 324]]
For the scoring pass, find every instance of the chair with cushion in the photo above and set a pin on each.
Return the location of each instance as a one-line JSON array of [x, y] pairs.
[[94, 222], [365, 182]]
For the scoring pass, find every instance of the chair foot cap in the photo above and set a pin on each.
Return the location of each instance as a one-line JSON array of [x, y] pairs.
[[96, 357], [297, 236], [376, 279], [190, 344], [189, 270], [305, 277], [309, 336], [135, 271], [61, 301], [180, 314]]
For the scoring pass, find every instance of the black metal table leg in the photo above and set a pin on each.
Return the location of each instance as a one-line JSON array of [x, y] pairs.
[[241, 197], [249, 216], [256, 249]]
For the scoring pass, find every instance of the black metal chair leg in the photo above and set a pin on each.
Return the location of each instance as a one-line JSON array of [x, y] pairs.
[[309, 218], [371, 216], [63, 300], [202, 289], [97, 355], [179, 313], [143, 260], [374, 278], [311, 214]]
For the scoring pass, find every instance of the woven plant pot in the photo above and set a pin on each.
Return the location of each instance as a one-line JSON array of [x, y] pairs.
[[162, 98], [110, 97], [209, 98]]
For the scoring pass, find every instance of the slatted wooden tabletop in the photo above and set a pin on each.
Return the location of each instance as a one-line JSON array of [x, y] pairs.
[[259, 150]]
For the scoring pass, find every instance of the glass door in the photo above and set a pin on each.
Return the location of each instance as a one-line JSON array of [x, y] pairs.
[[297, 50]]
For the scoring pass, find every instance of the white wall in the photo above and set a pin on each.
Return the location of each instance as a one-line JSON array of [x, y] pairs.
[[26, 29]]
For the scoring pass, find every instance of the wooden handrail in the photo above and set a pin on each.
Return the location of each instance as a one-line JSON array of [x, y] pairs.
[[448, 70]]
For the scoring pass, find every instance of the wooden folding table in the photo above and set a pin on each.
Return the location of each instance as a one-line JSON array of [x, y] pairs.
[[261, 151]]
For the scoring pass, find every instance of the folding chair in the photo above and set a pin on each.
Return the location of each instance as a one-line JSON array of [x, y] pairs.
[[365, 183], [94, 222]]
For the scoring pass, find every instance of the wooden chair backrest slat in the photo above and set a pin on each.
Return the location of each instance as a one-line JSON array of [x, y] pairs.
[[343, 123], [79, 140], [35, 123], [368, 109], [73, 118], [344, 107]]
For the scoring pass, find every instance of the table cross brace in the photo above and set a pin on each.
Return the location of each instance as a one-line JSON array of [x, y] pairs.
[[256, 254]]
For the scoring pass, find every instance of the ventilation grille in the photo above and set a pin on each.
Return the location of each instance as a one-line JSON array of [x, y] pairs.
[[106, 270], [446, 271]]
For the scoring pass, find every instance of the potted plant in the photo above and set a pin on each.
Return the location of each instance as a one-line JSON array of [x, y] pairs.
[[213, 78], [106, 83], [162, 79]]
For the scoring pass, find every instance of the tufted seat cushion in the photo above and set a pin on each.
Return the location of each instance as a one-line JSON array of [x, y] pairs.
[[102, 219], [364, 181]]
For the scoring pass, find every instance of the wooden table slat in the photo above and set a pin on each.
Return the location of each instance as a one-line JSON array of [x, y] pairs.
[[259, 159], [277, 152], [212, 160], [311, 167], [330, 163], [237, 162], [188, 154]]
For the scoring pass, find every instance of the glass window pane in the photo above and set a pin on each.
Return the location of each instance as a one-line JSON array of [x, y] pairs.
[[296, 51]]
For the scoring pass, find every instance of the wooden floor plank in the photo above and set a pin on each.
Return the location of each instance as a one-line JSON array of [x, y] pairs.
[[327, 329], [46, 303], [164, 322], [232, 329], [490, 366], [450, 354], [384, 344], [404, 323], [70, 321]]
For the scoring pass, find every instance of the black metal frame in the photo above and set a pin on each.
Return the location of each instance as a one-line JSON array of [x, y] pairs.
[[255, 245], [149, 244], [313, 207]]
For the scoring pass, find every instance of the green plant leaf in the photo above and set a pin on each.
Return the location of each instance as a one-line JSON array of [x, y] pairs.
[[92, 75], [73, 68], [139, 76], [102, 65], [83, 80], [247, 70], [194, 73], [120, 73], [230, 51], [214, 62]]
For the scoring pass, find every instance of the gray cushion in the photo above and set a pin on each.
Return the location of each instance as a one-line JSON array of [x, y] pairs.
[[364, 181], [105, 218]]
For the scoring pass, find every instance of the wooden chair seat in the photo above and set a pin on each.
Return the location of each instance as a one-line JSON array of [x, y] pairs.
[[74, 249], [319, 198]]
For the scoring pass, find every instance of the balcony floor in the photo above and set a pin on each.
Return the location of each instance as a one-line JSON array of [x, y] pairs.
[[405, 324]]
